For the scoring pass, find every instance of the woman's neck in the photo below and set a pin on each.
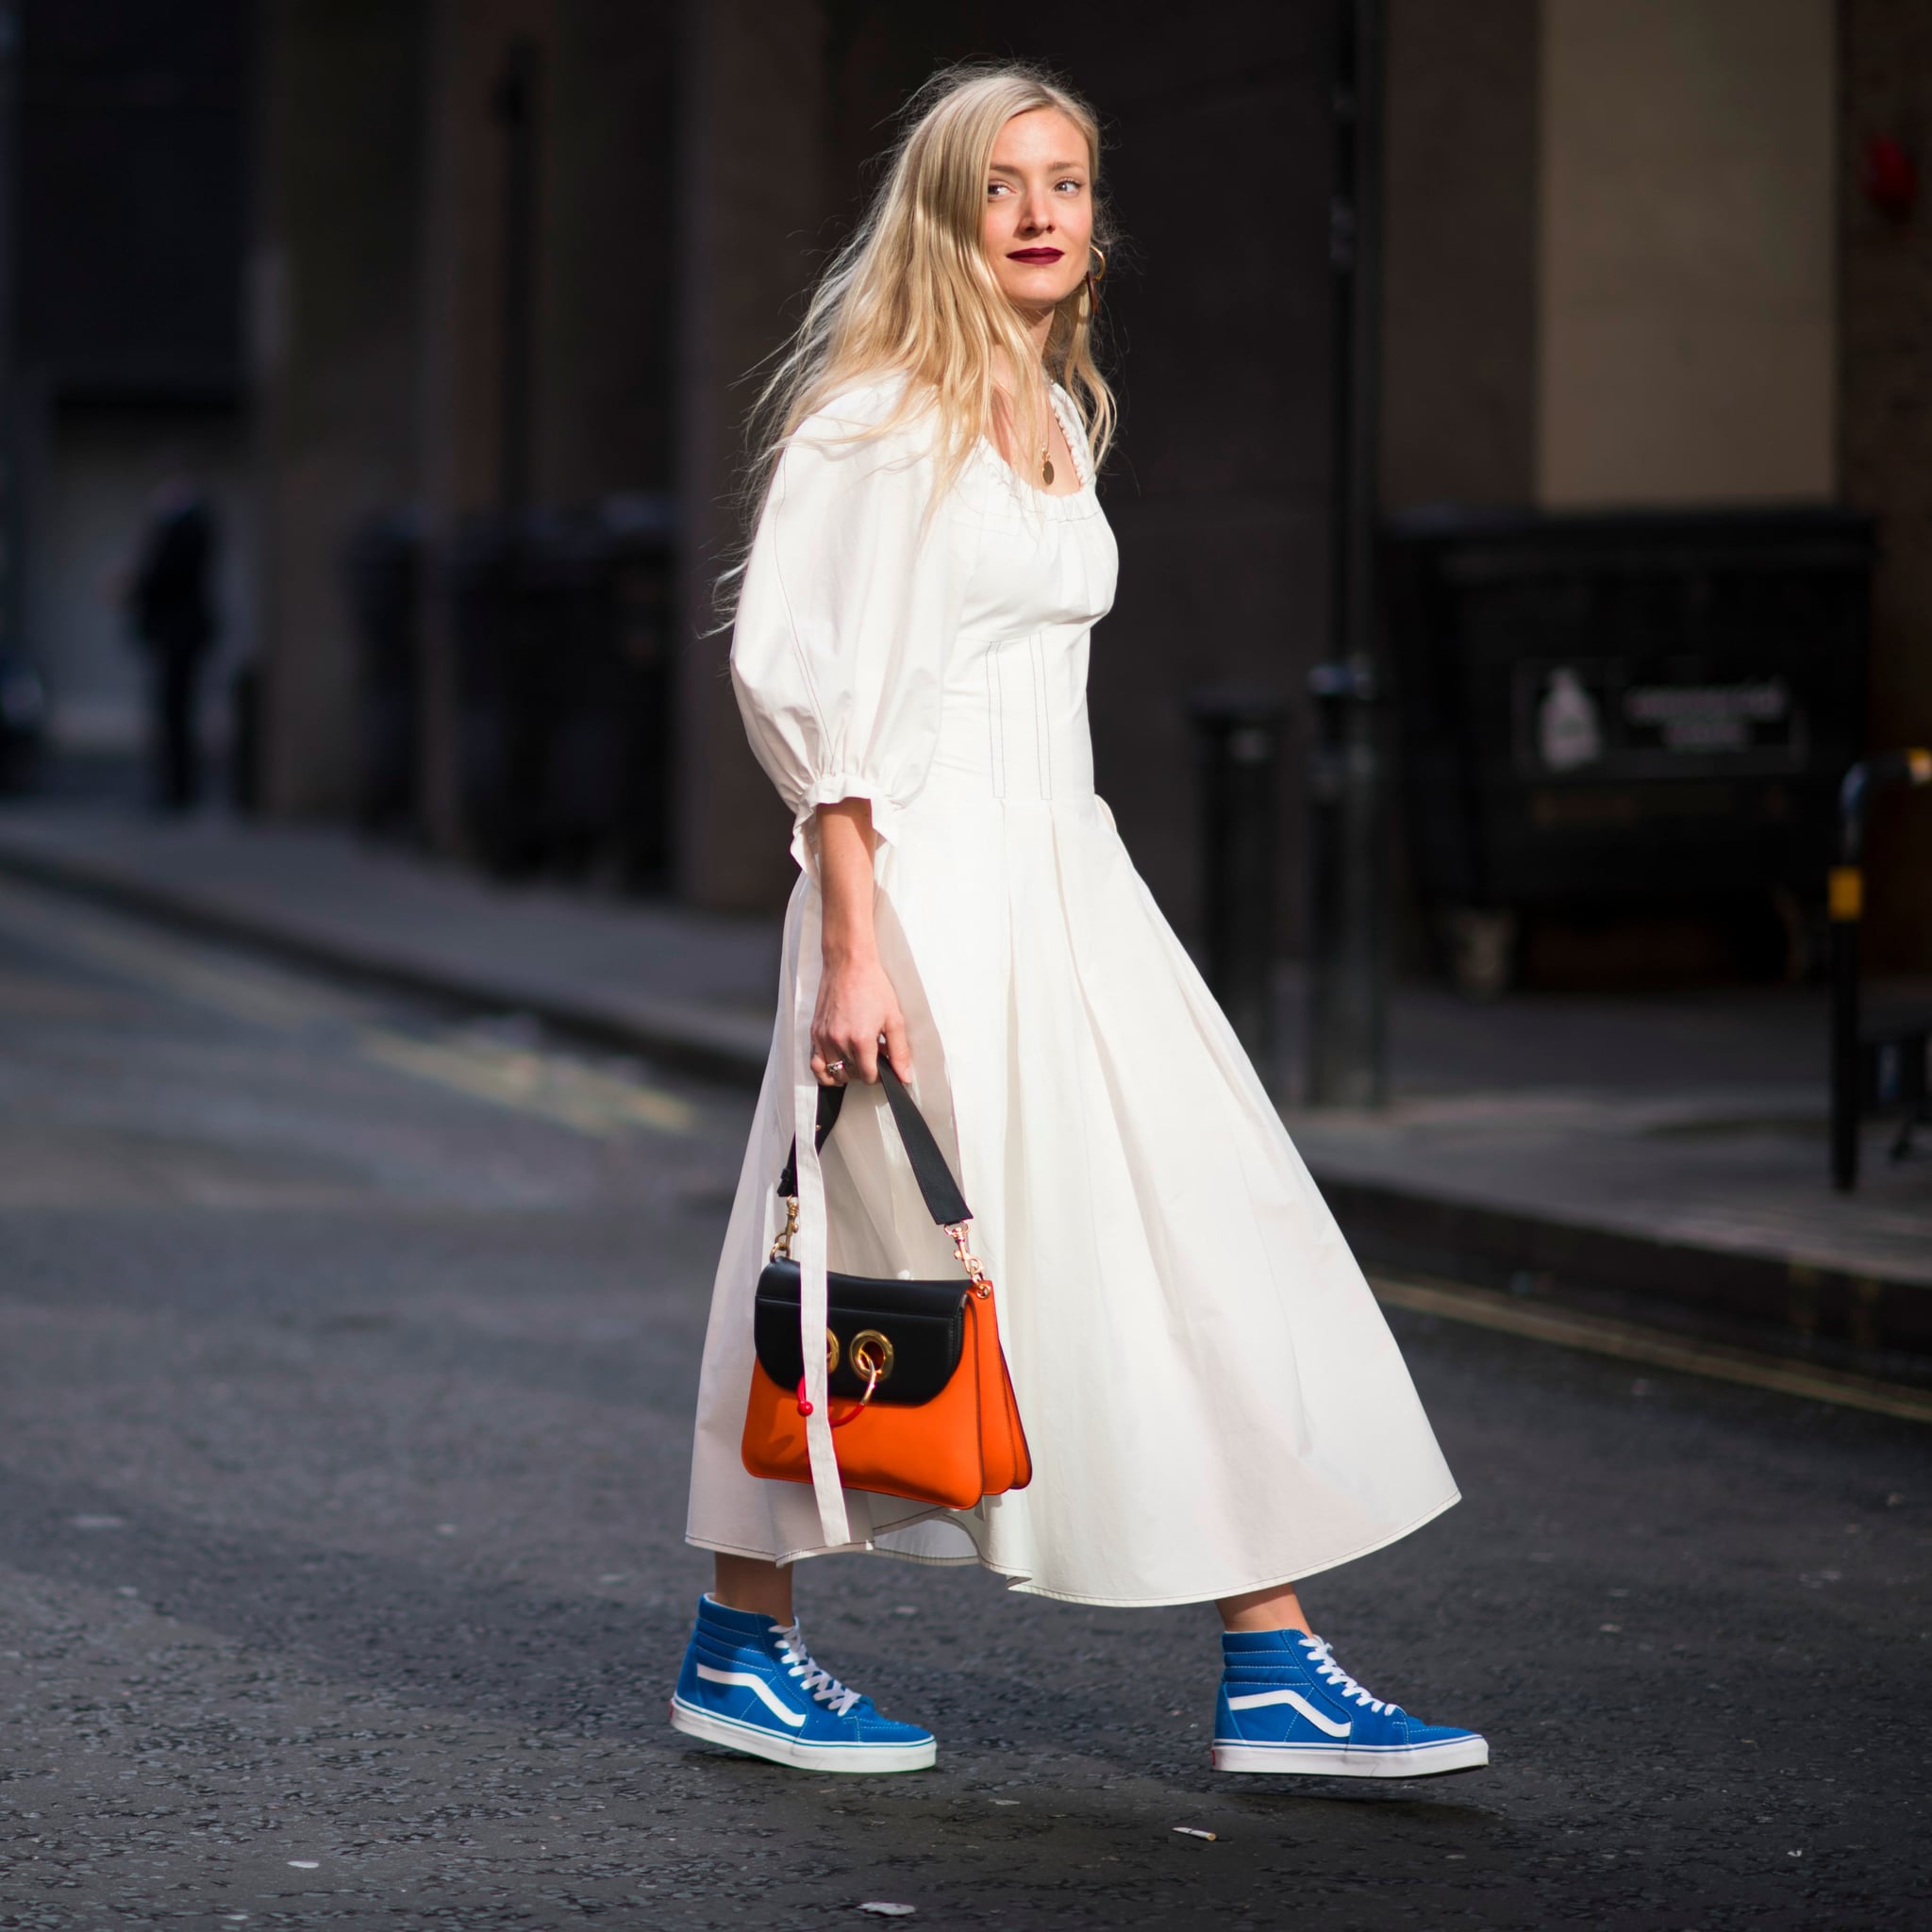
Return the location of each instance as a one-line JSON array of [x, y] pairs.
[[1039, 328]]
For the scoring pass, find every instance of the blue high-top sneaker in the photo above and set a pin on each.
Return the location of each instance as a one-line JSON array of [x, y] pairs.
[[750, 1685], [1286, 1705]]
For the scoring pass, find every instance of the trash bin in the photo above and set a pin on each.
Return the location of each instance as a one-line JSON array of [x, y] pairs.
[[381, 571], [560, 631], [642, 533], [245, 740], [496, 642], [1640, 710], [23, 723]]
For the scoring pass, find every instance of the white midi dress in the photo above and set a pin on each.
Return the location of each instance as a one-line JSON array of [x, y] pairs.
[[1213, 1401]]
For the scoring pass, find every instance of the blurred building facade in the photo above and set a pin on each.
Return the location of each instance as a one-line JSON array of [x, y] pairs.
[[513, 253], [695, 163], [124, 217]]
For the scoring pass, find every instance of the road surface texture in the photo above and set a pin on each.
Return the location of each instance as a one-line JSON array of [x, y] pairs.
[[346, 1349]]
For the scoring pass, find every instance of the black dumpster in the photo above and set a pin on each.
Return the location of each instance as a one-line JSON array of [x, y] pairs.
[[1641, 710]]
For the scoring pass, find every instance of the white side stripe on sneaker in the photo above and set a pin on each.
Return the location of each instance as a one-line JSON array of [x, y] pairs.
[[1258, 1698], [760, 1689]]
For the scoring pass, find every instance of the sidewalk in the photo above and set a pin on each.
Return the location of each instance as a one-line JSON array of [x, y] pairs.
[[1663, 1156], [692, 989]]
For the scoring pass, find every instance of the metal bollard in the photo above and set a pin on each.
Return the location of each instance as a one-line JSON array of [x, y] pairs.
[[1238, 743], [1347, 1059]]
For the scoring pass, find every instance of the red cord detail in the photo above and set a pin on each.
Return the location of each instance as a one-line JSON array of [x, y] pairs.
[[839, 1421]]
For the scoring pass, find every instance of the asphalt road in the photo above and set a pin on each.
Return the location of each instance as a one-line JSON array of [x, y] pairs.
[[345, 1358]]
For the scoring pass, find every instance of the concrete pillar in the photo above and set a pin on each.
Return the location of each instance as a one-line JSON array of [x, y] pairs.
[[334, 288], [610, 268], [753, 197], [459, 420]]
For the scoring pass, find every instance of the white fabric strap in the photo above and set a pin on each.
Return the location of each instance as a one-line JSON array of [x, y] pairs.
[[810, 1241]]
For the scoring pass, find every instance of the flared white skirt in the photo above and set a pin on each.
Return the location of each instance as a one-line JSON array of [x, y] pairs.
[[1213, 1401]]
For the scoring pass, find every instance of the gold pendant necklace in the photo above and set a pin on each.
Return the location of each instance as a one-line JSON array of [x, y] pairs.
[[1045, 465]]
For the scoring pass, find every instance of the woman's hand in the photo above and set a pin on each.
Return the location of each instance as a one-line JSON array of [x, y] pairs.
[[858, 1007]]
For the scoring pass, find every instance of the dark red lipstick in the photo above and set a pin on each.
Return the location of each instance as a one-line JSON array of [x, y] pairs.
[[1040, 257]]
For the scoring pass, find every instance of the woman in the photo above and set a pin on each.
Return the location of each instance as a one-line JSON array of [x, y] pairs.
[[1214, 1406]]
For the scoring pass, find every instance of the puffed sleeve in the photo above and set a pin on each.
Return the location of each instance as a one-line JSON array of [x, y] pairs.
[[849, 606]]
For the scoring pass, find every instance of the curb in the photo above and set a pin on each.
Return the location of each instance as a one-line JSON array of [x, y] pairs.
[[1733, 1296], [675, 1034]]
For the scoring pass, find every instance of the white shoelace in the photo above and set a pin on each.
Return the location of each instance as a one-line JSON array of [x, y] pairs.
[[1346, 1686], [821, 1683]]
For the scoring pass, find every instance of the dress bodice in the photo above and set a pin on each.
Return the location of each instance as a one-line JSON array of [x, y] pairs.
[[906, 645], [1013, 718]]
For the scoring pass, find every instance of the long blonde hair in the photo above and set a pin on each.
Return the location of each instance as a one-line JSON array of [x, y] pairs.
[[912, 293]]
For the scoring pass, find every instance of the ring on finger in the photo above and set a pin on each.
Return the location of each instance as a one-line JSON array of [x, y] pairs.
[[835, 1067]]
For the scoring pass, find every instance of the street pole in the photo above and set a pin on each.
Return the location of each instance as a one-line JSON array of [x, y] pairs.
[[1348, 948], [1237, 749]]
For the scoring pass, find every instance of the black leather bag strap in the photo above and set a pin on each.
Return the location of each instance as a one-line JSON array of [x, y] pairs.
[[830, 1100], [937, 1187]]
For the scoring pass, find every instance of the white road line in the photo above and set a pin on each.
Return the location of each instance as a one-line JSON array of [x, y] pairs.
[[546, 1085]]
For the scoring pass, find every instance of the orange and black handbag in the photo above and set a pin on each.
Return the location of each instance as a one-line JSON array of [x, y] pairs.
[[921, 1399]]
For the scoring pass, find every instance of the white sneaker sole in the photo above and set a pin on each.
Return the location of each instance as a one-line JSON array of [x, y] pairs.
[[1341, 1761], [864, 1760]]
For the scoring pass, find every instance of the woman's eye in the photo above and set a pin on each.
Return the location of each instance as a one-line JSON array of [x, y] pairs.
[[994, 187], [1072, 187]]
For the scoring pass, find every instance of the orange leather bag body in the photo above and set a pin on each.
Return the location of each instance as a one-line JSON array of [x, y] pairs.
[[922, 1404]]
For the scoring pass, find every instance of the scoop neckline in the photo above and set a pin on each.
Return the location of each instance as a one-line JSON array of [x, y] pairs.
[[1076, 442]]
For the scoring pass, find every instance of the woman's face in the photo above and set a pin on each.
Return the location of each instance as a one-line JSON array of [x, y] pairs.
[[1039, 222]]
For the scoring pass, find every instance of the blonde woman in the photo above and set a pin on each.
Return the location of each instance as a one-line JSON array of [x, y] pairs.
[[1215, 1404]]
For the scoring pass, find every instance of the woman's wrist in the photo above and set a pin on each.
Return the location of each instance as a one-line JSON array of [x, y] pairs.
[[846, 949]]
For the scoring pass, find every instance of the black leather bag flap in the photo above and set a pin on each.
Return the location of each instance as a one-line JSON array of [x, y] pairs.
[[924, 1322]]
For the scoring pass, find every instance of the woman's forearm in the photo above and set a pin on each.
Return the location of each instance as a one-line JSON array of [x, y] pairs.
[[857, 1006], [846, 848]]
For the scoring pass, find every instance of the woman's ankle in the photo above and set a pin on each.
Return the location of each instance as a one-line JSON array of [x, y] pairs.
[[1274, 1608], [755, 1583]]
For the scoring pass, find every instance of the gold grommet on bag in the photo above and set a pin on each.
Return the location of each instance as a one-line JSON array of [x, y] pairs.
[[831, 1352], [872, 1355]]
